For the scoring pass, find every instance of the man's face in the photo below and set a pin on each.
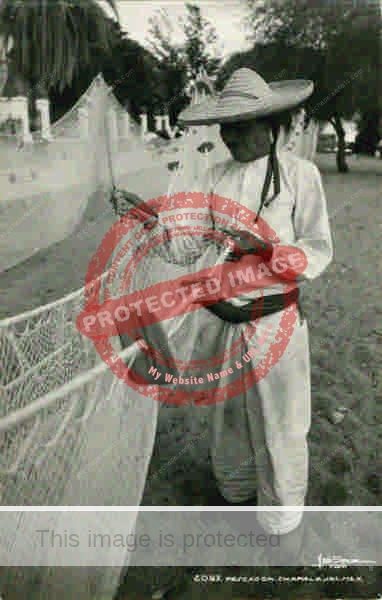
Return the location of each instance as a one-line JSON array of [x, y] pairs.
[[247, 140]]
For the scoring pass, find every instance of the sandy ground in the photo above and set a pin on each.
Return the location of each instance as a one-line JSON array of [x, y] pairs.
[[344, 315]]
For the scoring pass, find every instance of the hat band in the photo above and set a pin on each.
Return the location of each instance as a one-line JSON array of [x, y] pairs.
[[238, 95]]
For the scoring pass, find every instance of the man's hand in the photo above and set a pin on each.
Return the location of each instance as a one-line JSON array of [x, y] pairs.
[[246, 242], [251, 272], [232, 279], [123, 201], [127, 204]]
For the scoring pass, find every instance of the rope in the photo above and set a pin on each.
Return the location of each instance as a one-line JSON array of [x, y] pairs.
[[109, 153], [19, 416], [273, 172]]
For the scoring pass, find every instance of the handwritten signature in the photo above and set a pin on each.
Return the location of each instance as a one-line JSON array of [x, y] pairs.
[[340, 561]]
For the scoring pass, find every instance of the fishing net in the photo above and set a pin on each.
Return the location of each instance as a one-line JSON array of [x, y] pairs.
[[54, 181], [172, 343], [56, 395], [52, 381], [48, 182], [42, 352], [179, 253], [70, 434], [53, 389], [302, 139]]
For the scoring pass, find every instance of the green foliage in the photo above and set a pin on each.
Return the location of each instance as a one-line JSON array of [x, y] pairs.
[[135, 75], [312, 41], [335, 44], [197, 52], [182, 62], [59, 47], [200, 37], [298, 22]]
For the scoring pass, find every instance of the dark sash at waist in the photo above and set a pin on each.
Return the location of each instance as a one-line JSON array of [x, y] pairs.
[[260, 307]]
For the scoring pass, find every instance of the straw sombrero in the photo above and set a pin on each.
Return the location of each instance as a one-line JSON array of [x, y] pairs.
[[247, 95]]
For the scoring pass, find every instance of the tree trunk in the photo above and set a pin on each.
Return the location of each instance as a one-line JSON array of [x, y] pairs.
[[341, 156], [16, 84]]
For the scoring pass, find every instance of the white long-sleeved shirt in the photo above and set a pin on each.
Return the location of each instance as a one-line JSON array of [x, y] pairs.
[[298, 215]]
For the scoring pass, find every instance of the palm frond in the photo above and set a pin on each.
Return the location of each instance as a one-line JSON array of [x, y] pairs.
[[52, 38]]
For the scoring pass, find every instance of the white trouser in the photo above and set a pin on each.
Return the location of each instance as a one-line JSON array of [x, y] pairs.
[[259, 439]]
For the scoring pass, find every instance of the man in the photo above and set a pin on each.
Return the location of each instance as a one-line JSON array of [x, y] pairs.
[[259, 438], [271, 420]]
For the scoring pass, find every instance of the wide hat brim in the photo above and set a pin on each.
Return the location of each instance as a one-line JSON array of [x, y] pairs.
[[283, 95]]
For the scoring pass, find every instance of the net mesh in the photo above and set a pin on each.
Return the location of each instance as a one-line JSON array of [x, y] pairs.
[[53, 181], [49, 383], [302, 139], [40, 351], [176, 256], [56, 395], [70, 434], [52, 386]]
